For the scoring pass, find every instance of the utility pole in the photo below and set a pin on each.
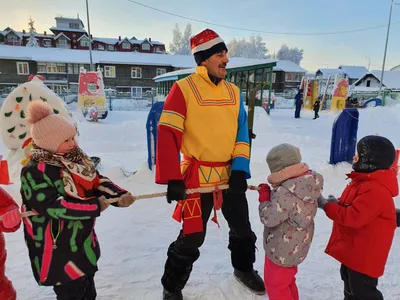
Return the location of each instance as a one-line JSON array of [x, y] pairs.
[[386, 46], [90, 37]]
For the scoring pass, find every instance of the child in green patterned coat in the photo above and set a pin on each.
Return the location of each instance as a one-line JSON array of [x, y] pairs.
[[61, 185]]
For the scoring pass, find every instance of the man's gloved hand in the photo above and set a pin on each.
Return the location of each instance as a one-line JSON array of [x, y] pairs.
[[237, 182], [264, 193], [176, 190]]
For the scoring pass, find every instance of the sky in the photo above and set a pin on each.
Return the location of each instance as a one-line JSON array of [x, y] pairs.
[[111, 18]]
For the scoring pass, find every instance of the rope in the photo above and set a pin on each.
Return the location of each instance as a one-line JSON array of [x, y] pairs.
[[202, 190]]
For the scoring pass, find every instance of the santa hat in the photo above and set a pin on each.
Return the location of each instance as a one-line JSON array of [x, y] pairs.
[[205, 44]]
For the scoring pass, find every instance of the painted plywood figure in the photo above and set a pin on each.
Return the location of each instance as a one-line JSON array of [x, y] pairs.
[[339, 94], [91, 96], [312, 87], [14, 128]]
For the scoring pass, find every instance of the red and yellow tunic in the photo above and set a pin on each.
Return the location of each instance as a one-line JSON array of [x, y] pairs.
[[207, 123]]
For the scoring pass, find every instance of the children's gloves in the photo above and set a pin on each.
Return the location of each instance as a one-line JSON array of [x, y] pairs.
[[11, 218], [126, 200], [103, 203], [264, 193], [323, 201]]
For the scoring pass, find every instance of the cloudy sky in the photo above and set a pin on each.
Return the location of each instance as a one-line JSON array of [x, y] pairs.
[[308, 22]]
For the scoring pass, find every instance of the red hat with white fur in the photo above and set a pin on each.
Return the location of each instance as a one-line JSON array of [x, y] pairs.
[[205, 44]]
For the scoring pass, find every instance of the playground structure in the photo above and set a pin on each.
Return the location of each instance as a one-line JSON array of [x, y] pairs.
[[91, 96], [333, 90]]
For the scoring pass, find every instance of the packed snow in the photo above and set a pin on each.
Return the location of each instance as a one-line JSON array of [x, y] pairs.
[[134, 240]]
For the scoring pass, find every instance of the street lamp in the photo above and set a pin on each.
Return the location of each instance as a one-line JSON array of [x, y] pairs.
[[386, 46], [90, 37]]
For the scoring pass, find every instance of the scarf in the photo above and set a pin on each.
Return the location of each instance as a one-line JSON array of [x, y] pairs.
[[78, 171], [293, 171]]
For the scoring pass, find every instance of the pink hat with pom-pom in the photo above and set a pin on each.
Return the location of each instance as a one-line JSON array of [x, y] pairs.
[[48, 130]]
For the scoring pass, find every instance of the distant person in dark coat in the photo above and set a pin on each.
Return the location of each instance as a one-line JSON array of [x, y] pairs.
[[298, 103], [317, 104]]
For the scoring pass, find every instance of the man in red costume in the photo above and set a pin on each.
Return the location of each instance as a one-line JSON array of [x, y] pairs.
[[205, 120], [11, 220]]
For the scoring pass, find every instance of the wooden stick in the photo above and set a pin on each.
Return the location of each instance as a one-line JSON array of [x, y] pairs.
[[202, 190]]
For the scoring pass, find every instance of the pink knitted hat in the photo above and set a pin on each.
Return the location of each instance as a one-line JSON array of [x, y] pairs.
[[48, 130]]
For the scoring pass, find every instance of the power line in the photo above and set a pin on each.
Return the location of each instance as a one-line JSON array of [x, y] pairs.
[[261, 31]]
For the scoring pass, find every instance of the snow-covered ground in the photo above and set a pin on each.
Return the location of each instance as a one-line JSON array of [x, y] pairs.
[[134, 241]]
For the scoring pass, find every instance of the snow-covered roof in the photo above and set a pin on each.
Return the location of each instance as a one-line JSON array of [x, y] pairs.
[[70, 19], [123, 40], [288, 66], [396, 68], [139, 42], [354, 72], [49, 36], [67, 29], [60, 35], [6, 32], [110, 41], [234, 62], [391, 79], [82, 56], [83, 36], [330, 72]]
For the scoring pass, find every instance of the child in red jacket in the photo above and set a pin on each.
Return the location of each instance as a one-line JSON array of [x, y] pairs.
[[364, 219], [11, 220]]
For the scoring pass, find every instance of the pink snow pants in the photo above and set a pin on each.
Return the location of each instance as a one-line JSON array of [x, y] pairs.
[[280, 282]]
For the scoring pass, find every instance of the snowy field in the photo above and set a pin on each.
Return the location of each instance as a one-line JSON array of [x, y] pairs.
[[134, 241]]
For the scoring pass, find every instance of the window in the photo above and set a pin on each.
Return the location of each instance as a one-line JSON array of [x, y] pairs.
[[293, 77], [12, 38], [100, 47], [109, 71], [160, 71], [73, 25], [85, 43], [41, 67], [56, 68], [136, 72], [110, 48], [22, 68], [57, 88], [76, 69], [62, 42], [47, 43], [273, 77], [126, 45], [159, 50], [70, 69], [136, 92], [368, 83], [146, 47]]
